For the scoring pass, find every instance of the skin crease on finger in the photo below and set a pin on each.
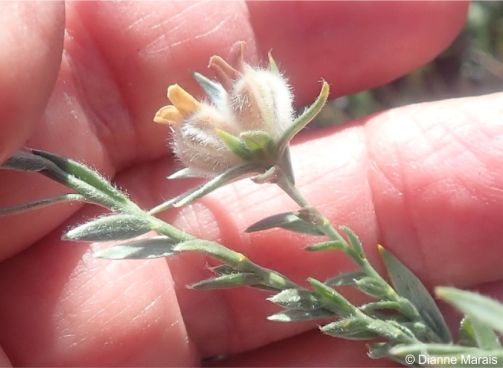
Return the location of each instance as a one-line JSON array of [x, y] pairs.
[[139, 90]]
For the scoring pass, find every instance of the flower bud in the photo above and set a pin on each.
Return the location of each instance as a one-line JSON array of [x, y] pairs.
[[243, 100]]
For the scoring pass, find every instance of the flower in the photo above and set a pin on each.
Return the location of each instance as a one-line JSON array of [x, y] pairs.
[[244, 102]]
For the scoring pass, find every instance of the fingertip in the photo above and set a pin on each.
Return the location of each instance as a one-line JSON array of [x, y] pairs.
[[30, 51], [354, 45]]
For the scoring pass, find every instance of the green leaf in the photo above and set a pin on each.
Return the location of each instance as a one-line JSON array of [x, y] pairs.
[[474, 333], [486, 310], [410, 287], [466, 333], [287, 220], [230, 257], [296, 299], [373, 287], [333, 300], [48, 165], [234, 144], [138, 249], [25, 161], [206, 188], [85, 174], [41, 203], [213, 89], [258, 142], [354, 242], [305, 118], [183, 174], [352, 328], [369, 308], [329, 245], [113, 227], [293, 315], [347, 278], [231, 280]]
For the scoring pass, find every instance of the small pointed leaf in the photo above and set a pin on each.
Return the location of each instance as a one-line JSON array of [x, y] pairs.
[[25, 161], [347, 278], [85, 174], [41, 203], [478, 307], [234, 144], [411, 288], [113, 227], [306, 117], [352, 328], [332, 299], [138, 249], [296, 299], [380, 305], [293, 315], [287, 220], [329, 245], [354, 242], [231, 280], [474, 333], [373, 287], [206, 188], [258, 141], [230, 257], [466, 333]]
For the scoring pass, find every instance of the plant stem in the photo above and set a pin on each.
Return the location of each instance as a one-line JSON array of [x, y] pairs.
[[328, 229], [321, 221]]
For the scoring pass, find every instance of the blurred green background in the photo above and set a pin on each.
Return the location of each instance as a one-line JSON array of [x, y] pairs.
[[472, 65]]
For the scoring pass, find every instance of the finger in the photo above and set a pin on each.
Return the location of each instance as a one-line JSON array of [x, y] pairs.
[[57, 277], [424, 180], [67, 309], [31, 42], [354, 46], [118, 60]]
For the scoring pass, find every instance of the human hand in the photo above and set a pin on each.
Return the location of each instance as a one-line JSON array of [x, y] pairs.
[[411, 179]]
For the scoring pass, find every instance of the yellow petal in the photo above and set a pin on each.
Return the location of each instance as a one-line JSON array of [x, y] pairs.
[[184, 102], [168, 115]]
